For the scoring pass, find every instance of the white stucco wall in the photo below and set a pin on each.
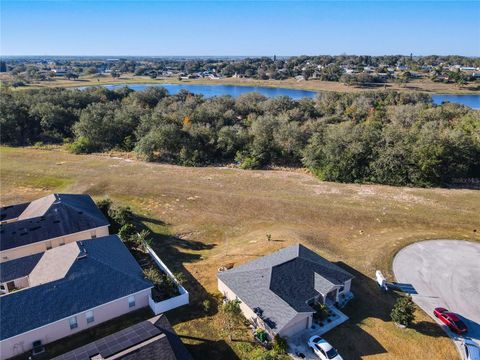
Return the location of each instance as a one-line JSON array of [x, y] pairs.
[[60, 329], [41, 246], [298, 323]]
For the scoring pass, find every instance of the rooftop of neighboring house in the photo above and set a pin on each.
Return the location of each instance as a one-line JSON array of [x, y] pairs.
[[68, 280], [280, 284], [150, 339], [46, 218]]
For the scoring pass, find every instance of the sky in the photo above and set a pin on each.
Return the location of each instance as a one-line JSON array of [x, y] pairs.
[[247, 28]]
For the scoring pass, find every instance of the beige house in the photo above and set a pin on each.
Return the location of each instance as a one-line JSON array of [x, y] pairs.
[[277, 291], [68, 289], [48, 222]]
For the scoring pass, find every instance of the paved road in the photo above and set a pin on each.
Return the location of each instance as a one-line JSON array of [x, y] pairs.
[[444, 273]]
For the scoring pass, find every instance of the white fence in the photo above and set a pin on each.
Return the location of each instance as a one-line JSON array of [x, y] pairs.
[[172, 303]]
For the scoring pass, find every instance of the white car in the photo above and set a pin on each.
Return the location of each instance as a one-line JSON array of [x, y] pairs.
[[323, 349], [472, 350]]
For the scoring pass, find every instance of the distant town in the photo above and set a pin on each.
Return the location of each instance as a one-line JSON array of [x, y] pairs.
[[347, 69]]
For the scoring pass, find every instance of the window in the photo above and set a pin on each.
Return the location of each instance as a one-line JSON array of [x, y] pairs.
[[93, 234], [73, 322], [341, 288], [89, 316], [131, 301]]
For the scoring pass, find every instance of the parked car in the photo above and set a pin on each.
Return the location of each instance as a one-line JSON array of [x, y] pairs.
[[451, 320], [323, 349], [472, 350]]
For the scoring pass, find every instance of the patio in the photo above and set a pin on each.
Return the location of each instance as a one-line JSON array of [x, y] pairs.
[[298, 343]]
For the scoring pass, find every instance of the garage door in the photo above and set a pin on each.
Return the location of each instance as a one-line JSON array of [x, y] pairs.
[[295, 328]]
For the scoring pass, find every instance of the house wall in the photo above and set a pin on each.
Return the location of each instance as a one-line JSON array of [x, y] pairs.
[[21, 343], [230, 295], [298, 323], [346, 289], [41, 246]]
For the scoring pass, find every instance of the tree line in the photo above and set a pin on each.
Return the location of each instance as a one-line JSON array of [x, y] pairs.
[[381, 137]]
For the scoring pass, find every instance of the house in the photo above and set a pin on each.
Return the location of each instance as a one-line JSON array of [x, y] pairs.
[[150, 339], [54, 220], [277, 291], [67, 289]]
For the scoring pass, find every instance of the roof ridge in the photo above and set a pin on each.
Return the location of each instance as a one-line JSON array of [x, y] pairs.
[[93, 257], [143, 280]]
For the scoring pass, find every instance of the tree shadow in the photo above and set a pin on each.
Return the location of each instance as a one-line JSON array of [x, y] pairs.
[[175, 252], [428, 328], [212, 349]]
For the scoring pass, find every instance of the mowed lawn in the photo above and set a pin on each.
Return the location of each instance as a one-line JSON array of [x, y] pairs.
[[203, 218]]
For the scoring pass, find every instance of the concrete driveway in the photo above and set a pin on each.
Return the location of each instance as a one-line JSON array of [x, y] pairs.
[[444, 273]]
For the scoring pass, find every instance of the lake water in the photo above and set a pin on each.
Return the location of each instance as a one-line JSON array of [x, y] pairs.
[[219, 90], [472, 101]]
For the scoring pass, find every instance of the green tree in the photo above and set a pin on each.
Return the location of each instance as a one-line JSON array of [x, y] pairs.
[[403, 311]]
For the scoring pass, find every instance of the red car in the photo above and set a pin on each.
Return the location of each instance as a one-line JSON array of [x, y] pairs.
[[451, 320]]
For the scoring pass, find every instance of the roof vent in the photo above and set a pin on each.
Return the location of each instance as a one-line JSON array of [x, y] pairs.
[[82, 255]]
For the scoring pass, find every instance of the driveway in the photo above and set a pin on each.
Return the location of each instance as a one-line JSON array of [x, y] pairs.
[[444, 273]]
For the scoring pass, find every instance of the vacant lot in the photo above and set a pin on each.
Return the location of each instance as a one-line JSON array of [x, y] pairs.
[[207, 217], [423, 85]]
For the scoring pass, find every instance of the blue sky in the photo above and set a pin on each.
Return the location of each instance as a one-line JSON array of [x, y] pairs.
[[239, 28]]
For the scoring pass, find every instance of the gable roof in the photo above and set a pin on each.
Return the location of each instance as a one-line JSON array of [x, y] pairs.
[[150, 339], [280, 284], [10, 212], [18, 268], [103, 271], [49, 217]]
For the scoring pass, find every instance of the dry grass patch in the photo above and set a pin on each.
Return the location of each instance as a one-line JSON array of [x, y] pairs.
[[203, 218]]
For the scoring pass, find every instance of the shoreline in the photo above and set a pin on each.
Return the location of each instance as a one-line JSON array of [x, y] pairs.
[[310, 85]]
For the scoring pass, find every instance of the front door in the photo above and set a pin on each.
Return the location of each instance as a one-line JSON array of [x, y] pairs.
[[332, 297]]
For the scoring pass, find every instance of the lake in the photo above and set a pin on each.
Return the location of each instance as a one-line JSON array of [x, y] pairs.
[[472, 101]]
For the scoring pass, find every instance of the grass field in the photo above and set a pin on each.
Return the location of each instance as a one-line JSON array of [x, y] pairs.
[[203, 218], [423, 85]]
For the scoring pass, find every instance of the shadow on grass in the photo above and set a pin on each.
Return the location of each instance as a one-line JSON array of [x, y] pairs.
[[369, 302], [175, 252], [216, 349], [428, 328]]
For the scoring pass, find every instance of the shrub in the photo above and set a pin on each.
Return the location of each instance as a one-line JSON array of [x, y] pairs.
[[122, 215], [153, 274], [206, 305], [248, 161], [127, 232], [280, 345], [81, 146], [403, 311], [104, 205]]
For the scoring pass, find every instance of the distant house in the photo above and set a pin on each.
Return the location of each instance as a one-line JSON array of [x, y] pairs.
[[277, 291], [150, 339], [67, 289], [59, 71], [54, 220]]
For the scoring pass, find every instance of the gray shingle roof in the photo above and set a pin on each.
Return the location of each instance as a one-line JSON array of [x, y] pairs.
[[12, 211], [135, 343], [281, 283], [67, 214], [107, 273], [18, 268]]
